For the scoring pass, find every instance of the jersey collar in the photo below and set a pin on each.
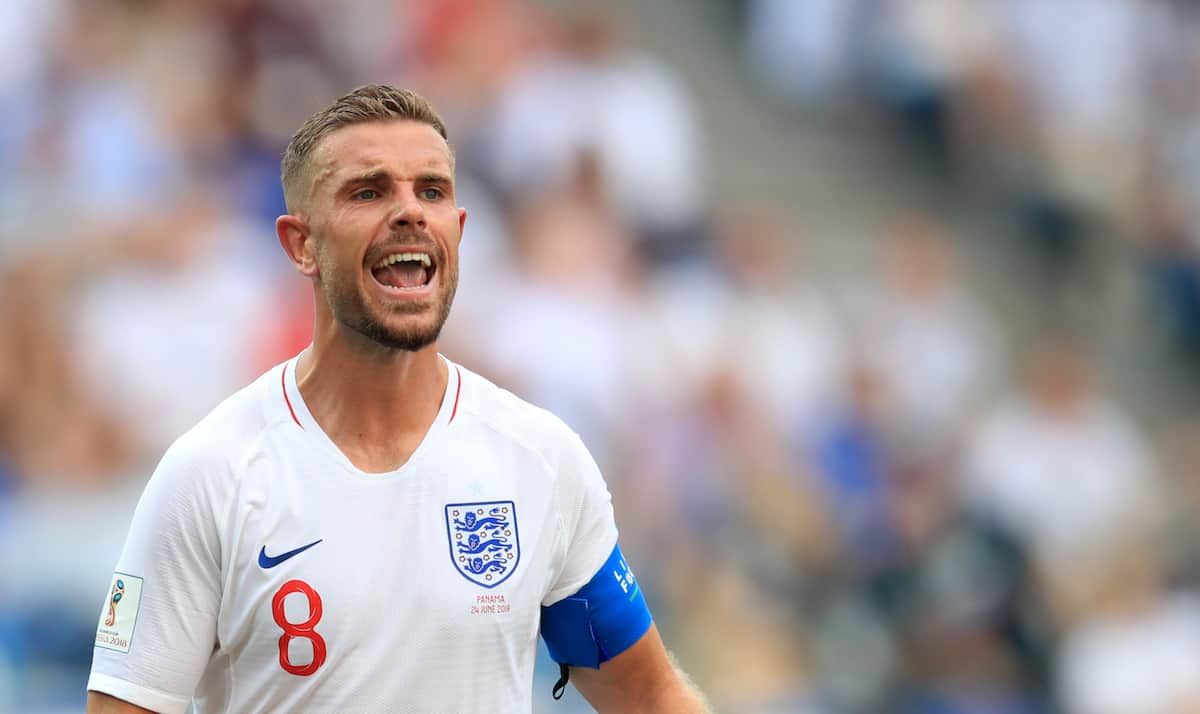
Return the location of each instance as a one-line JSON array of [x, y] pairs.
[[299, 416]]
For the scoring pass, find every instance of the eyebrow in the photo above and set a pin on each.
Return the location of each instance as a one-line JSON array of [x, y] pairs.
[[383, 176], [434, 177], [371, 176]]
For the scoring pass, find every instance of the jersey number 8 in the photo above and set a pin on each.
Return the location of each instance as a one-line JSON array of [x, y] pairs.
[[302, 630]]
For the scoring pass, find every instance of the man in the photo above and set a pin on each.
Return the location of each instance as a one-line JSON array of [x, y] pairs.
[[368, 526]]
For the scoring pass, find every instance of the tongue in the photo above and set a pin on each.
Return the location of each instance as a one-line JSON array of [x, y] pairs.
[[402, 275]]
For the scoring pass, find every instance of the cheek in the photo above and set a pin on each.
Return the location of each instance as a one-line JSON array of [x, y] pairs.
[[337, 252], [453, 234], [452, 256], [321, 255], [330, 265]]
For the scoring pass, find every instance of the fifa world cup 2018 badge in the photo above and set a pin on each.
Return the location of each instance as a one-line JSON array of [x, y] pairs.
[[118, 591], [484, 544], [118, 614]]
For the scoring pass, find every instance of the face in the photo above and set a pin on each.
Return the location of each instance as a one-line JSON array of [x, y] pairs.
[[383, 231]]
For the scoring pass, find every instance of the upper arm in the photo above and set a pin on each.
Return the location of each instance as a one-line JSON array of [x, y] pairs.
[[157, 626], [640, 679], [589, 529], [595, 614], [100, 703]]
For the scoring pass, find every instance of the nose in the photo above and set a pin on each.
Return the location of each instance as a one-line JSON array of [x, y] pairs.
[[408, 211]]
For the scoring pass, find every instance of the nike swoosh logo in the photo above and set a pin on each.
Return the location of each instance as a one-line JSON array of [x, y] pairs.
[[267, 561]]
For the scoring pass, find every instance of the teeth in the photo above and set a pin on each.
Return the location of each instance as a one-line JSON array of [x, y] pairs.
[[400, 257]]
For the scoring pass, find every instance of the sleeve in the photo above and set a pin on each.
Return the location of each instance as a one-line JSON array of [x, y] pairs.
[[600, 621], [589, 529], [157, 626], [595, 609]]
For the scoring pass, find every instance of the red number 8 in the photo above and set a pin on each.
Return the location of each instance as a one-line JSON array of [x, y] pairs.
[[303, 630]]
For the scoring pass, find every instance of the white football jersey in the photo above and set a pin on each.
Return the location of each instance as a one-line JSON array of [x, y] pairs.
[[264, 572]]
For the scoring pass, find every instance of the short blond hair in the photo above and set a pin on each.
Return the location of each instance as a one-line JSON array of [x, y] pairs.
[[373, 102]]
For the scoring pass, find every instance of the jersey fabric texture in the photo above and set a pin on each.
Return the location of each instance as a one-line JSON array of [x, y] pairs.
[[276, 576]]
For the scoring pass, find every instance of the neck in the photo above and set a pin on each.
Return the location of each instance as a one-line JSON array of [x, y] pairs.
[[374, 403]]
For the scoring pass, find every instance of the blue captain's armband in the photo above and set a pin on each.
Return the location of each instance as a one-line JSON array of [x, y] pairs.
[[605, 618]]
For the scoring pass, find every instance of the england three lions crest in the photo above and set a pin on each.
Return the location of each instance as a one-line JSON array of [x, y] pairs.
[[483, 540]]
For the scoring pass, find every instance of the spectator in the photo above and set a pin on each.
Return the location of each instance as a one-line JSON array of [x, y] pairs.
[[596, 97], [1061, 465], [923, 331]]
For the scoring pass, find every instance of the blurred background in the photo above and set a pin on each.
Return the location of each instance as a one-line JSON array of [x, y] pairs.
[[882, 317]]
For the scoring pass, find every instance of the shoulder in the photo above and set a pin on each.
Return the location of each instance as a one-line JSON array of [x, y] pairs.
[[504, 415], [226, 434]]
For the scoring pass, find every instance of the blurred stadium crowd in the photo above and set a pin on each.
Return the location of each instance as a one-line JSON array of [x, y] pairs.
[[909, 486]]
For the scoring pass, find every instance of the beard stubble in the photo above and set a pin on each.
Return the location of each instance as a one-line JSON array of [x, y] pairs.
[[351, 308]]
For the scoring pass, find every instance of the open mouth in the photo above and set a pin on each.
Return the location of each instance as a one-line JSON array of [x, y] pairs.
[[404, 271]]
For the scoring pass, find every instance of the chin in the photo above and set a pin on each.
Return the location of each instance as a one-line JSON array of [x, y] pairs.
[[408, 333], [409, 326]]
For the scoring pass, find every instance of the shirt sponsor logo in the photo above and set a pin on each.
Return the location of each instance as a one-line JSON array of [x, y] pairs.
[[119, 614], [484, 545]]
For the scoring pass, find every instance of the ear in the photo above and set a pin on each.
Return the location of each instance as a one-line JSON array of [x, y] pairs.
[[462, 220], [297, 243]]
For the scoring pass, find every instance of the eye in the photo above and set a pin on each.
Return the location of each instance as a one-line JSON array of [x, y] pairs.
[[431, 194], [365, 194]]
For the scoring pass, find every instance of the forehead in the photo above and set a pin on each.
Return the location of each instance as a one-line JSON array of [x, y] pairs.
[[401, 146]]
